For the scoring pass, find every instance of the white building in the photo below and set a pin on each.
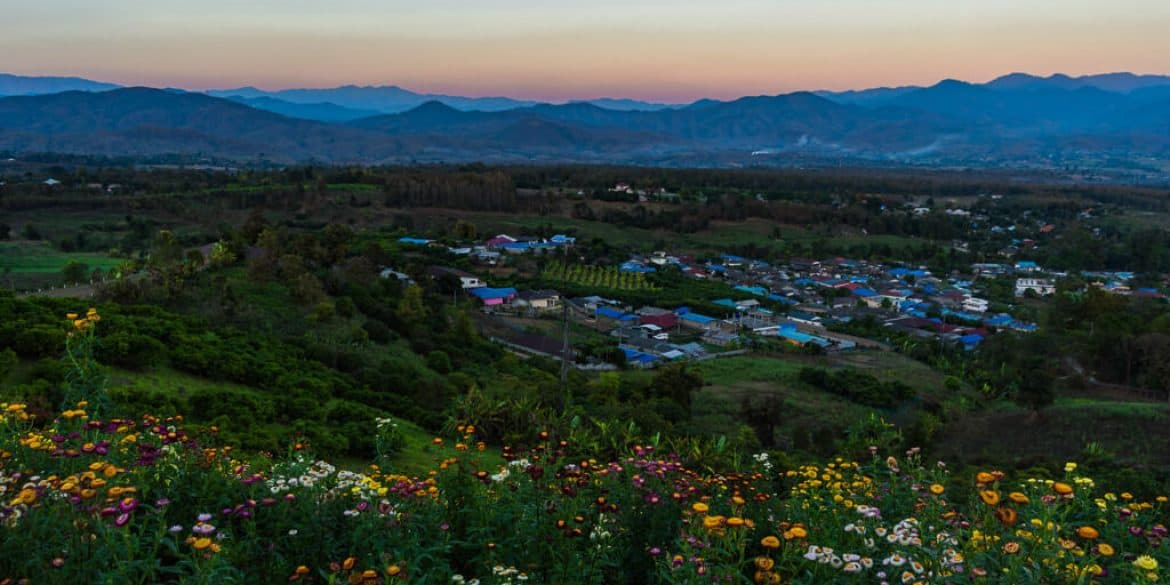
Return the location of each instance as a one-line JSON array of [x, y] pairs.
[[975, 305], [1040, 286]]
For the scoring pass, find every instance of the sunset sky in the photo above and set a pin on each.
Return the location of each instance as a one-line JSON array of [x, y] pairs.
[[668, 50]]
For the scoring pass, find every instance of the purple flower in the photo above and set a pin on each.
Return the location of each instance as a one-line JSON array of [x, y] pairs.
[[122, 519], [177, 528], [58, 563], [127, 504], [204, 517], [161, 502], [655, 551]]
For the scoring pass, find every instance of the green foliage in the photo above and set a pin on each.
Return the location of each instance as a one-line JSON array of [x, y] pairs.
[[595, 277], [857, 386]]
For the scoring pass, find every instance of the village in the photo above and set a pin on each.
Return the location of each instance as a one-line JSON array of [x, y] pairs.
[[804, 304]]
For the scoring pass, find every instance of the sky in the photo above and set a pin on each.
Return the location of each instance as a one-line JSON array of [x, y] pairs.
[[661, 50]]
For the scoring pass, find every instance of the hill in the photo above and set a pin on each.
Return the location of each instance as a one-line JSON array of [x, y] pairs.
[[143, 121], [953, 122], [22, 85]]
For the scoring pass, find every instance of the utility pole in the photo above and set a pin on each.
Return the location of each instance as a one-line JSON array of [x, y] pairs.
[[565, 346]]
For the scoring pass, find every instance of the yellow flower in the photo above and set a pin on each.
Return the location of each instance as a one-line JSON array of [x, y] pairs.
[[735, 521], [1145, 563], [1105, 549], [937, 489], [770, 542], [765, 563], [700, 507], [393, 570], [712, 522], [1070, 467], [798, 532], [201, 543], [989, 497], [302, 570]]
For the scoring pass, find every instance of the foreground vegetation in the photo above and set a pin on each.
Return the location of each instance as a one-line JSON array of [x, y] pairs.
[[94, 497]]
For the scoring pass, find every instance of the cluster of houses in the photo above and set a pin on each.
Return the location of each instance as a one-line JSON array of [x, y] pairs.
[[797, 300], [491, 250], [505, 298]]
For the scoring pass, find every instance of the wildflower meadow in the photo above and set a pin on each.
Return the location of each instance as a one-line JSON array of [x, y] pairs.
[[91, 496]]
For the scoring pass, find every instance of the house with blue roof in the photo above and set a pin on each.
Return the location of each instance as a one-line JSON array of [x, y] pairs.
[[698, 321], [563, 240], [632, 266], [998, 321], [790, 333], [1027, 267], [493, 296], [971, 341], [904, 272], [725, 303], [864, 292], [517, 247], [614, 314], [414, 241], [1022, 327], [755, 290], [782, 300]]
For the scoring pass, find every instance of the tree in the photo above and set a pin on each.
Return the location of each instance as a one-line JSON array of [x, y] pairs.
[[465, 230], [166, 249], [254, 225], [75, 271], [678, 383], [1035, 389], [411, 310]]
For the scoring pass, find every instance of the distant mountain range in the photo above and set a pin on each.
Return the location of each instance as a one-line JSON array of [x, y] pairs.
[[1016, 119]]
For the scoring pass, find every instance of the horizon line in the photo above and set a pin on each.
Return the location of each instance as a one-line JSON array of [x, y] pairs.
[[617, 97]]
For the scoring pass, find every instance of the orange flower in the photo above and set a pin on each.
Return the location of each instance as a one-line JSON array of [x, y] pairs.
[[1011, 548], [347, 564], [770, 542], [796, 532], [1007, 516], [984, 477], [1088, 532], [937, 489], [700, 507], [712, 522], [989, 497], [1062, 488], [1018, 498], [765, 563], [735, 522]]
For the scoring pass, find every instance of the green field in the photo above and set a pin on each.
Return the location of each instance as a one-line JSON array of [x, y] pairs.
[[159, 385], [40, 257]]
